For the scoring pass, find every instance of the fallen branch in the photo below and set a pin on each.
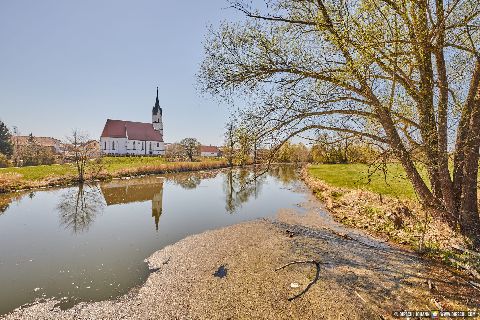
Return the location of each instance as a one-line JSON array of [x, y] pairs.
[[317, 275]]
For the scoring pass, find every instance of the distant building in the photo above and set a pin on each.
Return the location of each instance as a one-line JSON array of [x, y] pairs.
[[52, 144], [209, 151], [134, 138]]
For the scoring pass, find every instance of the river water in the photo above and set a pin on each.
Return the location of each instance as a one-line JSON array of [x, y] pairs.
[[89, 243]]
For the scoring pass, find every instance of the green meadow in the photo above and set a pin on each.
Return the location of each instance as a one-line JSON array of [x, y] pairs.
[[356, 176]]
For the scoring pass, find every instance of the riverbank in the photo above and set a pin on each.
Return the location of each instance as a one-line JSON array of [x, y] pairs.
[[393, 215], [25, 178], [231, 273]]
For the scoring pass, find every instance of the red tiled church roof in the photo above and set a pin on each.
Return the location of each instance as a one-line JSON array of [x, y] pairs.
[[131, 130]]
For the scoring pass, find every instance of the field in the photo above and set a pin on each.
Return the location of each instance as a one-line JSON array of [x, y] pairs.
[[356, 176], [110, 164], [60, 174]]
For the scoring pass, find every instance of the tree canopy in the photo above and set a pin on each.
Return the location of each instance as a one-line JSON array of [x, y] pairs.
[[401, 74], [191, 147], [6, 146]]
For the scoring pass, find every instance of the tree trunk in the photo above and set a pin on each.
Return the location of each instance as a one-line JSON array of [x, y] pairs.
[[469, 218], [443, 170], [423, 192], [466, 162]]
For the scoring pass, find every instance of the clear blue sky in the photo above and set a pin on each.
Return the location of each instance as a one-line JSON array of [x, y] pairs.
[[72, 64]]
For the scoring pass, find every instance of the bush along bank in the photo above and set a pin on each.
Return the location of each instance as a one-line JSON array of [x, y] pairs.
[[10, 181], [400, 221]]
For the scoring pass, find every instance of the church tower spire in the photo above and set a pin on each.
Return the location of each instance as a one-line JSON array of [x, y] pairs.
[[157, 116]]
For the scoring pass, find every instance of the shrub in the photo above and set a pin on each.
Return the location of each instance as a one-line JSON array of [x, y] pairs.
[[4, 162]]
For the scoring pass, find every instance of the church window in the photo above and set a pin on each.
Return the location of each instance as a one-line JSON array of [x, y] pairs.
[[105, 145], [113, 145], [150, 145], [158, 144], [142, 145], [133, 145]]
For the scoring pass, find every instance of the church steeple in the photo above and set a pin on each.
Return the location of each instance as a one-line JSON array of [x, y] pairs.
[[157, 109], [157, 116]]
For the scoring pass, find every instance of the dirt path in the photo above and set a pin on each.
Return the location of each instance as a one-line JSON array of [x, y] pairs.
[[230, 274]]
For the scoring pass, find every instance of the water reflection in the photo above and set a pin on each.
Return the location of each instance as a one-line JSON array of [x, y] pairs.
[[91, 241], [191, 180], [286, 174], [136, 190], [7, 199], [79, 207], [239, 186]]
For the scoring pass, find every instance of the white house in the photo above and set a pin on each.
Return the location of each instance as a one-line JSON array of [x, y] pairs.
[[134, 138], [209, 151]]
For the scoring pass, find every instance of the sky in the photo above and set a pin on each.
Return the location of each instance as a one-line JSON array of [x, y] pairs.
[[68, 64]]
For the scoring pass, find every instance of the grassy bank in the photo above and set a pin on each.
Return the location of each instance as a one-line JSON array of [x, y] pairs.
[[356, 176], [386, 209], [20, 178]]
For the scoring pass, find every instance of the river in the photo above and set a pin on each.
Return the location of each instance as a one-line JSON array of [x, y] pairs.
[[88, 243]]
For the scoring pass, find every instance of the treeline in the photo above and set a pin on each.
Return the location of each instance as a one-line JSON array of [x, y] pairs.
[[30, 153], [243, 146], [327, 150]]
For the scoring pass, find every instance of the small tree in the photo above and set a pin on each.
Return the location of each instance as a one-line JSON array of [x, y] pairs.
[[229, 148], [82, 151], [245, 145], [6, 147], [191, 147]]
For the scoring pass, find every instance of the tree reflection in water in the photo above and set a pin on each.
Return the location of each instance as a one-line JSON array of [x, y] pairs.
[[7, 199], [239, 186], [79, 207], [191, 180], [286, 174]]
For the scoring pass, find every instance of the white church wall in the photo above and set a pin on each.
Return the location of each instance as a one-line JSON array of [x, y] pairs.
[[123, 146], [115, 146]]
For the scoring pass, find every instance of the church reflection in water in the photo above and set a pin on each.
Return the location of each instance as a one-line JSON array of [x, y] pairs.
[[135, 190]]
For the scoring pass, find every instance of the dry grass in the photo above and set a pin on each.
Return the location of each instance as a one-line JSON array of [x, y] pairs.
[[171, 167], [402, 221], [399, 220]]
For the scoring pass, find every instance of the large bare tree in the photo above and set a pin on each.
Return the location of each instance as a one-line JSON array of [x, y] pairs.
[[83, 152], [400, 73]]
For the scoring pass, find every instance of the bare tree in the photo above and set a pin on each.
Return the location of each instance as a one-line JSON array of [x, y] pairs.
[[403, 74], [83, 150]]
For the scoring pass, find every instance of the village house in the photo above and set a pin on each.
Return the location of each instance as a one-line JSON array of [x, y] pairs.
[[121, 137], [209, 151], [48, 143]]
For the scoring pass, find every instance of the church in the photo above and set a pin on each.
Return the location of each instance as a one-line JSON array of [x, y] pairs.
[[121, 137]]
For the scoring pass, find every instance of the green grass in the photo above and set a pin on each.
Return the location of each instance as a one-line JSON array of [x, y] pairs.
[[355, 176], [41, 172], [111, 164]]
